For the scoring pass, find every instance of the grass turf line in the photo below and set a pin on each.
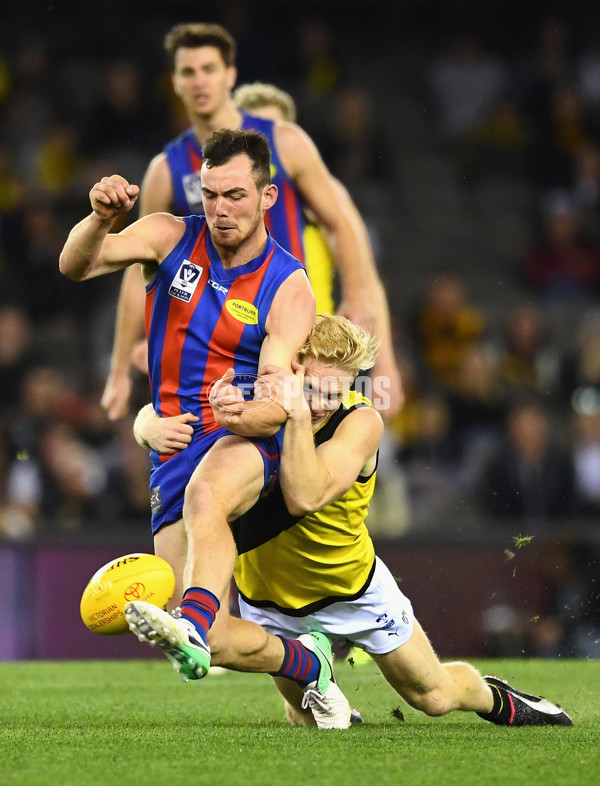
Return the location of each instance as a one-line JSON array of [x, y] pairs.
[[131, 723]]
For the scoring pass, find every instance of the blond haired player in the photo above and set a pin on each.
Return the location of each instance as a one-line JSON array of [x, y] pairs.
[[305, 558]]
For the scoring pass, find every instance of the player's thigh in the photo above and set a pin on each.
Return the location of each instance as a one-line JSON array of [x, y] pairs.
[[170, 543], [414, 666], [233, 471]]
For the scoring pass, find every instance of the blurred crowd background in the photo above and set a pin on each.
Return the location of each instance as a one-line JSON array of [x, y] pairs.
[[469, 136]]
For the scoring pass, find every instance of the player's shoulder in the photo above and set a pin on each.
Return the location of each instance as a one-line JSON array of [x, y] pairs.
[[294, 145], [179, 140], [166, 228], [286, 132], [357, 408]]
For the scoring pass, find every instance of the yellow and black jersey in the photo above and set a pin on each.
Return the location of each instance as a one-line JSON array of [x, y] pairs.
[[320, 268], [302, 564]]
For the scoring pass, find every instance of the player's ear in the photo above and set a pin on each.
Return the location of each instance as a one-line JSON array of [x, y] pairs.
[[269, 195], [232, 74]]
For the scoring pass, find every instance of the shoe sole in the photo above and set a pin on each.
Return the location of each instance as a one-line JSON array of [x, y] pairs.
[[188, 662]]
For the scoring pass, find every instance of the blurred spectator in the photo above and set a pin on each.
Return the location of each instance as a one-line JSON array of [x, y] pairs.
[[33, 102], [318, 64], [567, 127], [546, 64], [563, 262], [530, 476], [477, 411], [446, 326], [580, 366], [71, 477], [132, 114], [59, 162], [585, 188], [465, 83], [16, 356], [45, 401], [430, 462], [355, 147], [498, 146], [586, 456], [12, 190], [527, 360], [66, 467]]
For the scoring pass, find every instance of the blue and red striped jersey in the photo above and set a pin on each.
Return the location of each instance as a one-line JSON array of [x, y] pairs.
[[202, 319]]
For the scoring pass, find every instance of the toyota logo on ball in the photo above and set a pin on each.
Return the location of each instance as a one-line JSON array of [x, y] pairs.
[[135, 591]]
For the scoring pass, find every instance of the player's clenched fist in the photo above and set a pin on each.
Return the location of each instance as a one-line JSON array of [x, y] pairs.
[[113, 195]]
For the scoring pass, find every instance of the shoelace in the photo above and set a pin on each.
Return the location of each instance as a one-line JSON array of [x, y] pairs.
[[313, 699]]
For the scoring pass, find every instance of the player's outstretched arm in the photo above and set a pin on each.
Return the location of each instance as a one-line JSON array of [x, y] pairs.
[[84, 256], [321, 194], [375, 298], [363, 297], [155, 197]]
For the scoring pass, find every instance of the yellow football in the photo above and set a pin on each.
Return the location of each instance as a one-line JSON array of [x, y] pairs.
[[132, 577]]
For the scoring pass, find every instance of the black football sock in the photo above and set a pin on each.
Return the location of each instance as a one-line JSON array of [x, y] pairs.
[[503, 710]]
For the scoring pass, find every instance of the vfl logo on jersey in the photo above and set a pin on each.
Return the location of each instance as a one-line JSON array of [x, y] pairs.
[[192, 186], [186, 280], [242, 311]]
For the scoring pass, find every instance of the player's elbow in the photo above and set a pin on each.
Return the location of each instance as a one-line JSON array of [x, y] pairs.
[[70, 269], [296, 509], [302, 503], [66, 268]]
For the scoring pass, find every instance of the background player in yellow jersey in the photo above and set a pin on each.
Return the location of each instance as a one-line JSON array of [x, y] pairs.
[[305, 558], [202, 61]]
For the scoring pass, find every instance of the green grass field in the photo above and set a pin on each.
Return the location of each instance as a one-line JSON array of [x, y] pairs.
[[132, 723]]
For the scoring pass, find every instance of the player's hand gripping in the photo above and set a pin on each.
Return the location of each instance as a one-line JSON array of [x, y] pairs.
[[284, 387], [112, 196], [170, 435], [226, 400]]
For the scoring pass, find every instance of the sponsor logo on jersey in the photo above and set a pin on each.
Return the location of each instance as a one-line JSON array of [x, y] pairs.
[[185, 281], [242, 311], [218, 287]]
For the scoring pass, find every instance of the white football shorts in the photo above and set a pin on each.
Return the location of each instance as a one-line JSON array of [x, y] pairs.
[[380, 621]]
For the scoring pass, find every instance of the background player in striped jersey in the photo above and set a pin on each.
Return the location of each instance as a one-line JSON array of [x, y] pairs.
[[306, 560], [202, 62], [220, 293]]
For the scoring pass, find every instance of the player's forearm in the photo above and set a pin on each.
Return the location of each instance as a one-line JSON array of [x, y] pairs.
[[304, 477], [141, 425], [82, 249], [351, 269], [129, 327], [259, 419]]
